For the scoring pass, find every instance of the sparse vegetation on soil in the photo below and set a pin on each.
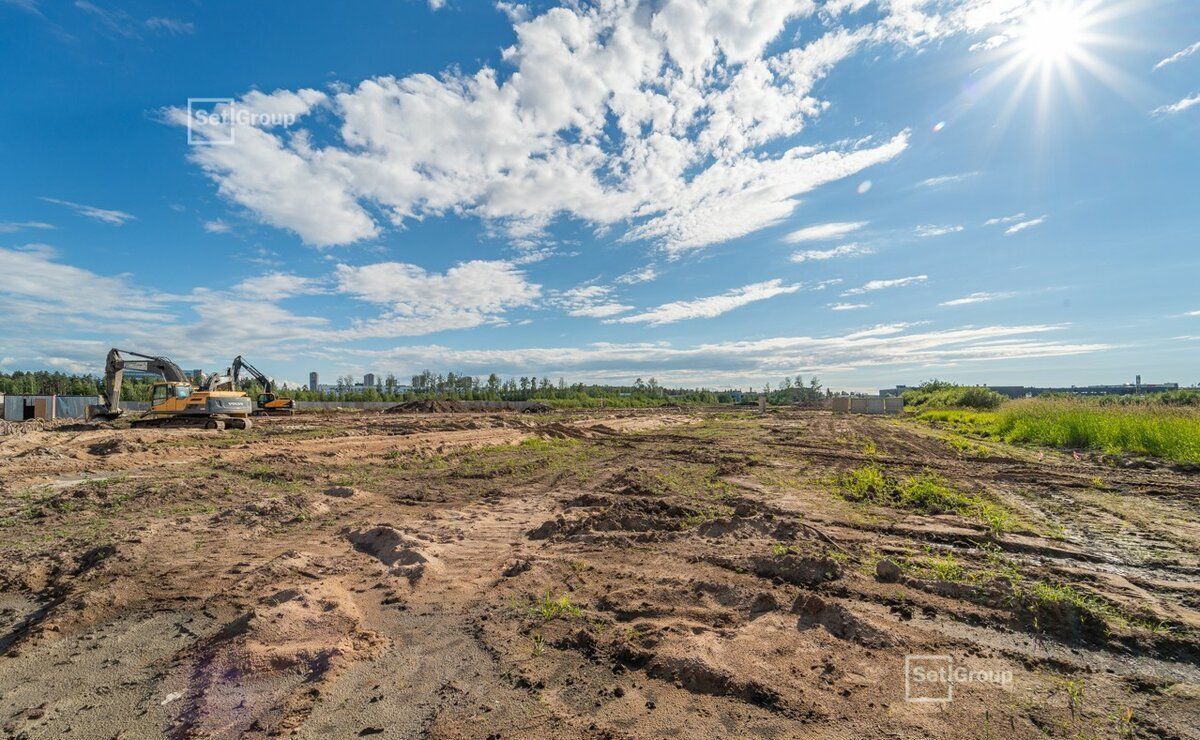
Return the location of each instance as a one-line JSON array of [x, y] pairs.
[[601, 574]]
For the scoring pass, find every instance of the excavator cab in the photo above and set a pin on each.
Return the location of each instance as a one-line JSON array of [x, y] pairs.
[[167, 396]]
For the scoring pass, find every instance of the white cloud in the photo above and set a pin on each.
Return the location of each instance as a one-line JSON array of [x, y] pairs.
[[674, 119], [170, 25], [822, 232], [9, 227], [845, 250], [217, 226], [592, 301], [516, 12], [874, 285], [977, 298], [992, 42], [643, 275], [848, 306], [39, 292], [1004, 219], [275, 286], [1178, 106], [116, 218], [928, 230], [1022, 225], [705, 308], [418, 302], [933, 182], [746, 362], [288, 184], [1182, 53]]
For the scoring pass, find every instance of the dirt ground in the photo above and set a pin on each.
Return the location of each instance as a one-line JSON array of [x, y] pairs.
[[617, 574]]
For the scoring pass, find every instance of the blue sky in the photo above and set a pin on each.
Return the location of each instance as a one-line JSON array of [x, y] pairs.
[[711, 193]]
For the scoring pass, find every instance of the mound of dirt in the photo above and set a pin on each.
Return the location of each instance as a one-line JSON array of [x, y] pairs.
[[428, 406], [390, 547], [537, 408], [838, 621], [114, 446], [261, 671]]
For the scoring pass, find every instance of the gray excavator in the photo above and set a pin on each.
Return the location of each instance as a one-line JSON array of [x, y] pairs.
[[267, 403], [173, 400]]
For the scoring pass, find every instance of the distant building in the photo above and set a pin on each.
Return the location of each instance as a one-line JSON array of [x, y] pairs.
[[196, 375], [313, 381], [1026, 391], [369, 381]]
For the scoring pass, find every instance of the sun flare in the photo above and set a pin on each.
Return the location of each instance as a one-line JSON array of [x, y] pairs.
[[1053, 34]]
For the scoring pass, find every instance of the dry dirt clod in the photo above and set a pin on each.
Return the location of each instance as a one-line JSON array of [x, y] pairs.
[[887, 572]]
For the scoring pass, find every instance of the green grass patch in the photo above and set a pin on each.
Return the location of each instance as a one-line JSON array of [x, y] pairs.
[[925, 492], [1168, 432], [549, 607]]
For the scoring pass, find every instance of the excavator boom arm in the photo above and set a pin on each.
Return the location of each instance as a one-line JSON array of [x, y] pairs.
[[240, 364], [117, 363]]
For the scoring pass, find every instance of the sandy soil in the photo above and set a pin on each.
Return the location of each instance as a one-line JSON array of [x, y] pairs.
[[610, 575]]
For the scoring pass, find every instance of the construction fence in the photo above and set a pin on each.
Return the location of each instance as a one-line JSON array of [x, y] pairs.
[[20, 408]]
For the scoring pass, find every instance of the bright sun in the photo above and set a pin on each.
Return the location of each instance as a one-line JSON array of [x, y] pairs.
[[1053, 35], [1051, 48]]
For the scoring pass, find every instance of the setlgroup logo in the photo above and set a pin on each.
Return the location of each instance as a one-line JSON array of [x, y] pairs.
[[215, 121], [931, 678]]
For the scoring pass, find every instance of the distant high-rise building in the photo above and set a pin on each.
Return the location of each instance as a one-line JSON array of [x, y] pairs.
[[369, 380], [197, 375], [313, 381]]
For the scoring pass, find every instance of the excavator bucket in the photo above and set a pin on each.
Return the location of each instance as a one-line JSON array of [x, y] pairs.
[[102, 413]]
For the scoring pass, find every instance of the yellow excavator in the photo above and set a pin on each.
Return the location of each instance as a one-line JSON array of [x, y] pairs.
[[267, 403], [173, 400]]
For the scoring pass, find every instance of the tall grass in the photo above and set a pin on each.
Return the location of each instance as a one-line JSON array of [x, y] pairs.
[[1172, 433], [935, 395]]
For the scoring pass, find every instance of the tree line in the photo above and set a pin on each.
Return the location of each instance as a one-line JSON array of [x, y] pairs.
[[451, 385]]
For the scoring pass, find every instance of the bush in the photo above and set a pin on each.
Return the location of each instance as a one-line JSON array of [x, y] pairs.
[[938, 396]]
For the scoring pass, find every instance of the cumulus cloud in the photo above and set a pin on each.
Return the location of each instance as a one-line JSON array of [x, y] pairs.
[[845, 250], [1181, 54], [674, 119], [1177, 107], [928, 230], [217, 226], [415, 301], [874, 285], [705, 308], [976, 298], [822, 232], [116, 218]]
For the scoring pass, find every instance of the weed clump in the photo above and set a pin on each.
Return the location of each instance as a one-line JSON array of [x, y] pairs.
[[549, 608]]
